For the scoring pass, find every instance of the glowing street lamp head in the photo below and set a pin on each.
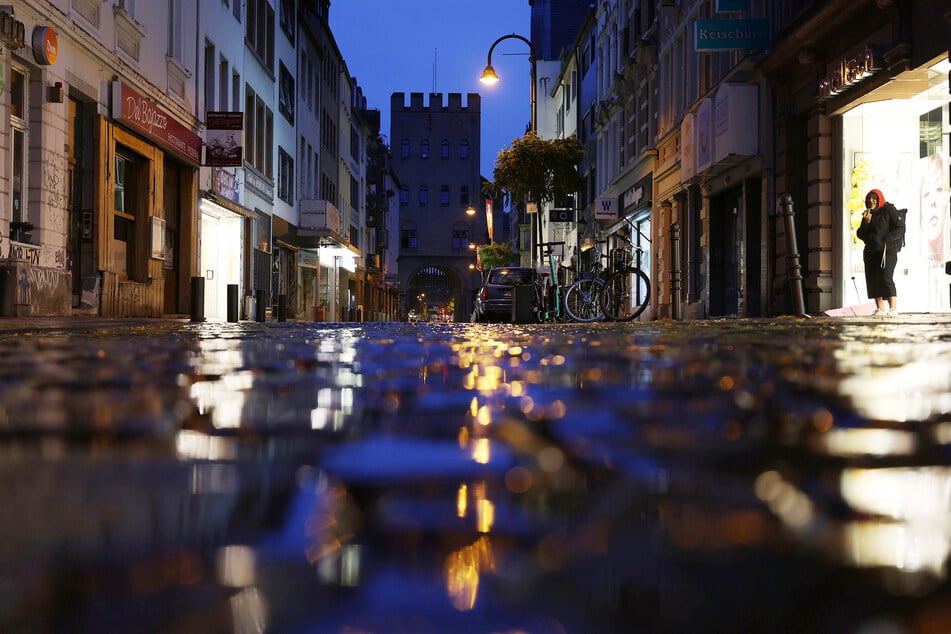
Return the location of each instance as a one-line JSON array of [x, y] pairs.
[[489, 76], [470, 210]]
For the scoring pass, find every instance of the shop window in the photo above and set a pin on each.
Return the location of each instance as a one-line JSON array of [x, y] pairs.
[[125, 214]]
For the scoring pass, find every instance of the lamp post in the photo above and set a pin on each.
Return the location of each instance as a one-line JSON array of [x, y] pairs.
[[489, 76]]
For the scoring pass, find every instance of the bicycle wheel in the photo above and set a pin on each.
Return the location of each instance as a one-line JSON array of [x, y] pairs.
[[626, 294], [583, 299]]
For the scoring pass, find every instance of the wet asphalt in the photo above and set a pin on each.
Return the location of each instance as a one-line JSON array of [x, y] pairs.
[[752, 475]]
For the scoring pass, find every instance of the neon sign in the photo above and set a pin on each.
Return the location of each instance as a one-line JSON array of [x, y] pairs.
[[847, 73]]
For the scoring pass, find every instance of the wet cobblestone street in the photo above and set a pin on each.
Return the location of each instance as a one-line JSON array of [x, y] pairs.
[[780, 475]]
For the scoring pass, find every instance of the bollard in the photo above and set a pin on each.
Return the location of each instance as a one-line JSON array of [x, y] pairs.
[[198, 299], [793, 270], [259, 312], [232, 302], [282, 307], [676, 275]]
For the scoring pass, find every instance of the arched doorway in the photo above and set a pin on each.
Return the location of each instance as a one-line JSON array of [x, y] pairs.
[[435, 293]]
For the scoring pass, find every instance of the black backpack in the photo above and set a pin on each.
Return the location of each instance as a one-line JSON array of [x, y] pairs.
[[899, 228]]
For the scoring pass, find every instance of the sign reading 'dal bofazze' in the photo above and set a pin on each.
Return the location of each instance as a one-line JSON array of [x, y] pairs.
[[142, 115]]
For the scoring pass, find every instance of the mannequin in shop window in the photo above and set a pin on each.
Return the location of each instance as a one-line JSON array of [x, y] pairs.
[[883, 232]]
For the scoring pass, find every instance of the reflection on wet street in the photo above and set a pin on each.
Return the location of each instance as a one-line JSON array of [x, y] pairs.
[[719, 476]]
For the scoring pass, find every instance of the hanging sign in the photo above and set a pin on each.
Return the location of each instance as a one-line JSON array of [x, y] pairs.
[[45, 45], [605, 208], [724, 35]]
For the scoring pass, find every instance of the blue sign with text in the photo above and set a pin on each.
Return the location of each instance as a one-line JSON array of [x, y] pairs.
[[720, 35], [732, 5]]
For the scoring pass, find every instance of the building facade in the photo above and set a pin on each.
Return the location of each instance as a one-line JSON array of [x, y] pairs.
[[436, 154]]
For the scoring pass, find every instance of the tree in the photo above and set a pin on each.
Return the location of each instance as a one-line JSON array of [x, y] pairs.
[[537, 170], [498, 254]]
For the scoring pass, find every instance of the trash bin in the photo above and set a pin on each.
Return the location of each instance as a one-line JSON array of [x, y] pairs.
[[523, 297], [8, 286]]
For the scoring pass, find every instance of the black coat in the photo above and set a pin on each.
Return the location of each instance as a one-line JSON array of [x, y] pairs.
[[885, 227]]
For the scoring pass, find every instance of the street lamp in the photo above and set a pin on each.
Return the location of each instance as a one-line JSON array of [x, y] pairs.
[[489, 77]]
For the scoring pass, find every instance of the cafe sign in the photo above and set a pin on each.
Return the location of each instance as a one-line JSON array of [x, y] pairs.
[[142, 115], [848, 72]]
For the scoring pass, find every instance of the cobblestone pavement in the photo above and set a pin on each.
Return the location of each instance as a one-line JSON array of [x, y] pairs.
[[781, 475]]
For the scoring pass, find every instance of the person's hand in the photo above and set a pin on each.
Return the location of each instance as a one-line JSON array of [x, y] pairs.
[[867, 215]]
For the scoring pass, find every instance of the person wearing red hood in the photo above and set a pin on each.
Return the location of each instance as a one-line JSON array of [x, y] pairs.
[[882, 232]]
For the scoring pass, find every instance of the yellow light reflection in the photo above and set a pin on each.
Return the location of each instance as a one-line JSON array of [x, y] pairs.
[[463, 569], [249, 611], [867, 442], [462, 500], [485, 516], [906, 547], [481, 450], [908, 493]]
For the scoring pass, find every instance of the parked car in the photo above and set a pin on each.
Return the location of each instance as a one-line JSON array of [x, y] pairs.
[[494, 301]]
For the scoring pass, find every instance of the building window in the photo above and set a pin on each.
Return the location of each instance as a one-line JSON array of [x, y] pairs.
[[464, 195], [460, 239], [463, 149], [444, 149], [408, 239], [259, 33], [424, 148], [285, 176], [423, 195], [404, 148], [259, 133], [288, 19], [19, 127], [404, 195], [286, 94], [444, 195]]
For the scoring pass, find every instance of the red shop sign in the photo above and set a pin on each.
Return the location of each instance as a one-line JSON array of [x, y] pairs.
[[142, 115]]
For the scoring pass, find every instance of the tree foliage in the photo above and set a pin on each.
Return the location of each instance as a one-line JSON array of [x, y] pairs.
[[538, 170], [497, 254]]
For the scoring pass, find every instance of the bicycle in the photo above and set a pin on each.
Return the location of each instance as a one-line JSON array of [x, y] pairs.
[[584, 297], [548, 305], [626, 292]]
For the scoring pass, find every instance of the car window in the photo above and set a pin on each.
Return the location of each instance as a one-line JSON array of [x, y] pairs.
[[511, 277]]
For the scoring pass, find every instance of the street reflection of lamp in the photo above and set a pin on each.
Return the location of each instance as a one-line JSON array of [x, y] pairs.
[[490, 77]]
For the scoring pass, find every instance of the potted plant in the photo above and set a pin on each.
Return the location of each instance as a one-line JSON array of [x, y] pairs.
[[20, 230]]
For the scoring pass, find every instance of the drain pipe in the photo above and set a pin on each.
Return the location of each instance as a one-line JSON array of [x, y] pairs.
[[793, 269], [676, 275]]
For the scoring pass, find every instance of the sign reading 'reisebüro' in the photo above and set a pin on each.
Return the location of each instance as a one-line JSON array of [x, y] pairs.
[[722, 35]]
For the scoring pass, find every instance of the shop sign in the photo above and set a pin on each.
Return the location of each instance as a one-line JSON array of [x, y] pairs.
[[45, 45], [224, 139], [724, 35], [225, 184], [736, 121], [688, 154], [732, 5], [140, 114], [639, 195], [704, 135], [322, 216], [848, 72], [12, 31], [605, 208]]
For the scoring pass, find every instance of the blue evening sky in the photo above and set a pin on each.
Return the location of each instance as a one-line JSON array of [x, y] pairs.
[[410, 45]]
